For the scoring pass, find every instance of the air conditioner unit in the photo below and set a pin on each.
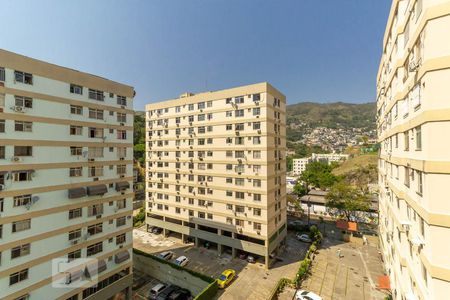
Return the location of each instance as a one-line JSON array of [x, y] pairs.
[[258, 232], [2, 187], [16, 159], [74, 242], [18, 109], [259, 131]]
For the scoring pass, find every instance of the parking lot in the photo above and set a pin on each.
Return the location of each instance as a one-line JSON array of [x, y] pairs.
[[252, 281]]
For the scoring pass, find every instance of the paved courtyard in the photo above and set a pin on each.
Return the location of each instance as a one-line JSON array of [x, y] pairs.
[[353, 276], [252, 282]]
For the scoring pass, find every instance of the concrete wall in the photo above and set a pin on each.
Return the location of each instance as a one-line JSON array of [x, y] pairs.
[[167, 274]]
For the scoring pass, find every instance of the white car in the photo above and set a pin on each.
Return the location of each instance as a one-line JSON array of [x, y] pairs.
[[305, 295], [166, 255], [303, 237], [182, 261]]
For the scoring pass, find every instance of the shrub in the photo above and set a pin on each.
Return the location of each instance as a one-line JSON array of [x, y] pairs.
[[139, 219]]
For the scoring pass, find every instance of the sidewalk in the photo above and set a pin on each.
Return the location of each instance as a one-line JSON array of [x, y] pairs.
[[352, 276]]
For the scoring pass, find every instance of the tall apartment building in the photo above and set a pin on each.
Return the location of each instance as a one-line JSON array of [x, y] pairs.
[[65, 174], [414, 167], [216, 169]]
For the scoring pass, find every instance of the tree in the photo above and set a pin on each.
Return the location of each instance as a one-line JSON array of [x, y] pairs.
[[300, 189], [318, 174], [139, 152], [294, 202], [347, 200]]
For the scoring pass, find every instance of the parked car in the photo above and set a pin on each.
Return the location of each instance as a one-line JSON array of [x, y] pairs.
[[156, 290], [181, 261], [164, 295], [251, 259], [305, 295], [225, 278], [181, 294], [156, 230], [166, 255], [303, 238]]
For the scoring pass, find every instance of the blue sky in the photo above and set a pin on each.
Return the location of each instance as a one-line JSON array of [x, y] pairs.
[[311, 50]]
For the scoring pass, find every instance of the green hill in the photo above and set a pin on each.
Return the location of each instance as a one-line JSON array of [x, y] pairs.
[[302, 117]]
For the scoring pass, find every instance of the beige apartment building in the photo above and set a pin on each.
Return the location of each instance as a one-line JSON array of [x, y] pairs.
[[216, 169], [413, 87], [66, 155]]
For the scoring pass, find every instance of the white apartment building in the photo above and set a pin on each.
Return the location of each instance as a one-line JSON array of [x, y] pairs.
[[66, 176], [299, 165], [216, 169], [329, 157], [413, 122]]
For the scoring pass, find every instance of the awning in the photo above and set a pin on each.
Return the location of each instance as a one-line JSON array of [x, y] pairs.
[[121, 257], [100, 189], [77, 192], [383, 282], [74, 275], [123, 185], [95, 268]]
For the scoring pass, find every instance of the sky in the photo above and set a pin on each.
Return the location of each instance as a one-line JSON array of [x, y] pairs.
[[310, 50]]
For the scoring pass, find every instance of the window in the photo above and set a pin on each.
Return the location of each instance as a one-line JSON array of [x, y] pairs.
[[76, 150], [96, 132], [121, 169], [95, 171], [121, 118], [22, 175], [95, 229], [201, 105], [1, 204], [2, 152], [239, 126], [419, 183], [23, 77], [121, 100], [23, 150], [239, 181], [18, 277], [94, 249], [256, 125], [21, 225], [191, 107], [406, 182], [76, 110], [121, 239], [75, 234], [2, 100], [2, 126], [75, 213], [201, 117], [76, 130], [239, 113], [121, 221], [95, 114], [256, 97], [257, 212], [121, 204], [121, 151], [256, 111], [256, 182], [239, 222], [256, 226], [121, 134], [76, 89], [23, 101], [74, 255], [23, 126], [95, 210], [2, 74], [19, 251], [256, 140], [256, 154], [239, 99], [240, 195], [418, 138], [96, 95], [94, 152], [76, 172]]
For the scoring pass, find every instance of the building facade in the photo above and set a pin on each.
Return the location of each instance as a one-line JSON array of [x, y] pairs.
[[216, 169], [414, 165], [299, 165], [65, 182], [329, 157]]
